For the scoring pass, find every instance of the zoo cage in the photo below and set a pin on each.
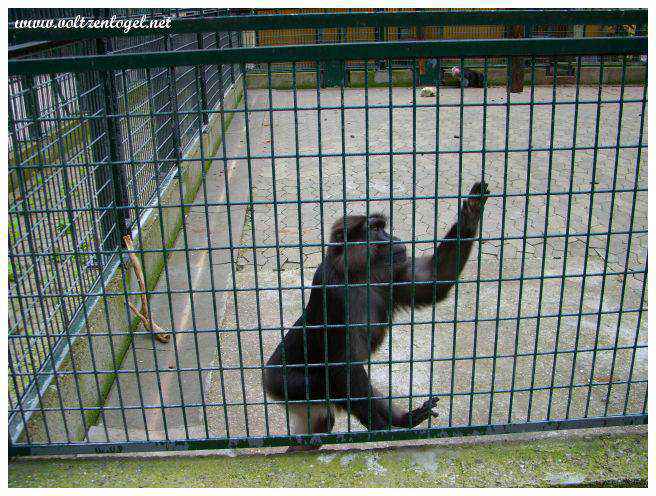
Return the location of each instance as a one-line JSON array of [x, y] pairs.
[[160, 187]]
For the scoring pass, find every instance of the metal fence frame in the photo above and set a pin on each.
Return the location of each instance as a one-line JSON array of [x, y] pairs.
[[70, 99], [120, 203]]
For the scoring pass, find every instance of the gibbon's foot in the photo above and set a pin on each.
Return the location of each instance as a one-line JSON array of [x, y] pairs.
[[422, 413]]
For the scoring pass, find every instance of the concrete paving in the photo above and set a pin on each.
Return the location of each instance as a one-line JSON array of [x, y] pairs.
[[155, 379], [441, 351]]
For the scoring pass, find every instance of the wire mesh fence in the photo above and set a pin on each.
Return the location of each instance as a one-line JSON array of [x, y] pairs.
[[226, 181], [61, 190]]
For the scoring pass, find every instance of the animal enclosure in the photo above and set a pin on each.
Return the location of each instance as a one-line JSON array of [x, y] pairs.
[[225, 166]]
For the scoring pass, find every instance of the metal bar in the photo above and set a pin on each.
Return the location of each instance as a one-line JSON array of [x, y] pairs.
[[501, 250], [437, 77], [251, 211], [346, 285], [344, 51], [628, 254], [368, 232], [561, 103], [116, 172], [529, 163], [390, 303], [202, 122], [300, 243], [202, 85], [123, 270], [233, 276], [322, 235], [164, 253], [415, 77], [582, 385], [32, 110], [361, 19], [72, 228], [459, 236], [480, 247], [353, 437], [274, 196], [628, 251]]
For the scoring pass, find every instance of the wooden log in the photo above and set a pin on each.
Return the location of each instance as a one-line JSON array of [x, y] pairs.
[[516, 64]]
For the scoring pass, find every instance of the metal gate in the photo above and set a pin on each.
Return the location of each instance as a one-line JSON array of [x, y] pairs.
[[172, 193]]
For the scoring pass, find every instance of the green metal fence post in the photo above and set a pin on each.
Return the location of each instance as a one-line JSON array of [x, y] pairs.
[[31, 107], [114, 173], [200, 76]]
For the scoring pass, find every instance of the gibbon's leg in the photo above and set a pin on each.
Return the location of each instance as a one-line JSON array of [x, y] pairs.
[[321, 420]]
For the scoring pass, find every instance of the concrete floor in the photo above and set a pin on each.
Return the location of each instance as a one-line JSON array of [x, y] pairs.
[[440, 348]]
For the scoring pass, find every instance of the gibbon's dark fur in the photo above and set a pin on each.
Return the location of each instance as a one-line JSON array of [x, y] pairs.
[[337, 345]]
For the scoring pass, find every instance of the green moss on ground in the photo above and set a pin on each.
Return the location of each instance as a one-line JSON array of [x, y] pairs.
[[600, 461]]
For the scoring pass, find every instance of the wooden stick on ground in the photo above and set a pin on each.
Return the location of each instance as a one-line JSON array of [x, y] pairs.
[[143, 314]]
